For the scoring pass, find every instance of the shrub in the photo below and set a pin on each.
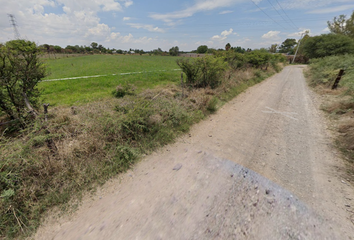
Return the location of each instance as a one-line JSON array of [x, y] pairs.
[[124, 89], [328, 45], [20, 72], [203, 72]]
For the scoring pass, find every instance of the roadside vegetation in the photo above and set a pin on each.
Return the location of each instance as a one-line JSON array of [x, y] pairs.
[[46, 163], [331, 53]]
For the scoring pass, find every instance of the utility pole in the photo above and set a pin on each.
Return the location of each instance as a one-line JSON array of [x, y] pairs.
[[297, 49], [14, 25]]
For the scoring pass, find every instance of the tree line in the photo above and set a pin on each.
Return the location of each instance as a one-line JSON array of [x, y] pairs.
[[339, 41]]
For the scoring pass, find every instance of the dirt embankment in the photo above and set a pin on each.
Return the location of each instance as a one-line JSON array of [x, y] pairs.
[[196, 188]]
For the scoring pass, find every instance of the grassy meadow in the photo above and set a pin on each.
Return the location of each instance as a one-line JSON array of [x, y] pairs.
[[155, 70]]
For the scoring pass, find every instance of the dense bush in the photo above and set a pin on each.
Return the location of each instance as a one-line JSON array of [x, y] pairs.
[[328, 45], [203, 72], [325, 70], [20, 72]]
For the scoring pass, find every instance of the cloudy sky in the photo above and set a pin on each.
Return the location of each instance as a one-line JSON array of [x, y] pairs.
[[149, 24]]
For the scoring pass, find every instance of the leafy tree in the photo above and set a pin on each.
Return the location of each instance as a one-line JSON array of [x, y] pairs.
[[157, 51], [273, 48], [94, 45], [342, 25], [20, 72], [227, 46], [174, 51], [238, 49], [57, 49], [288, 46], [202, 49], [327, 45]]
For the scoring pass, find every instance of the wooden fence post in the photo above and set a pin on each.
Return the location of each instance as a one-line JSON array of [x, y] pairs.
[[182, 85], [45, 106], [339, 77]]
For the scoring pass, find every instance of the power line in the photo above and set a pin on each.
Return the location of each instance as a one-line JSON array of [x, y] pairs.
[[279, 13], [14, 25], [287, 15], [267, 15]]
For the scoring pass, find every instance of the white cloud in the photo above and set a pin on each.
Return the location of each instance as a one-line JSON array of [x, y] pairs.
[[128, 3], [226, 12], [223, 35], [126, 18], [271, 35], [314, 4], [148, 27], [78, 24], [298, 34], [332, 9], [117, 37], [199, 6]]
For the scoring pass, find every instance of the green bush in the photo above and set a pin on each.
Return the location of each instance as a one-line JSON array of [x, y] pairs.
[[124, 89], [328, 45], [203, 72]]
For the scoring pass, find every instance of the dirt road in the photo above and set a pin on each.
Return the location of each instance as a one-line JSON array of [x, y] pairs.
[[197, 189]]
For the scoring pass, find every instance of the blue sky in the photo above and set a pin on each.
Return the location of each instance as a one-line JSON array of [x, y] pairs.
[[124, 24]]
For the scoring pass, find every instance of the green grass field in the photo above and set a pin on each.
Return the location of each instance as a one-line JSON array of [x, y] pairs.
[[155, 70]]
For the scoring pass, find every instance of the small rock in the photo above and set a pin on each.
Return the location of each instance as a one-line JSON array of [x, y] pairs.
[[210, 135], [343, 182], [267, 191], [329, 180], [200, 152], [177, 167], [347, 205], [232, 175], [277, 153]]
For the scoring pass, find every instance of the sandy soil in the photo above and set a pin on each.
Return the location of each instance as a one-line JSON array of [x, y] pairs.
[[263, 167]]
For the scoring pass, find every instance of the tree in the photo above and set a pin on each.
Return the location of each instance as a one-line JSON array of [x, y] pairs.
[[157, 51], [327, 45], [57, 49], [202, 49], [20, 72], [342, 25], [174, 51], [227, 46], [238, 49], [94, 45], [273, 48], [288, 46]]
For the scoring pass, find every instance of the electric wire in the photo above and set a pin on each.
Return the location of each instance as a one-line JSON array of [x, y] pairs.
[[267, 14], [280, 14], [286, 14]]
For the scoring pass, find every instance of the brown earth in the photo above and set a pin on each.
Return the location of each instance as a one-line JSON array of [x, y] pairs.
[[197, 189]]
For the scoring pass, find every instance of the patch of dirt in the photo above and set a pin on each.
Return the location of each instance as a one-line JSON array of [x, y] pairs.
[[227, 178]]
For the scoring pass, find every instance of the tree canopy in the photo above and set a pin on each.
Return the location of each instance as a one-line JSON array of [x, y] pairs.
[[342, 25], [288, 46], [174, 51], [202, 49], [327, 45]]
